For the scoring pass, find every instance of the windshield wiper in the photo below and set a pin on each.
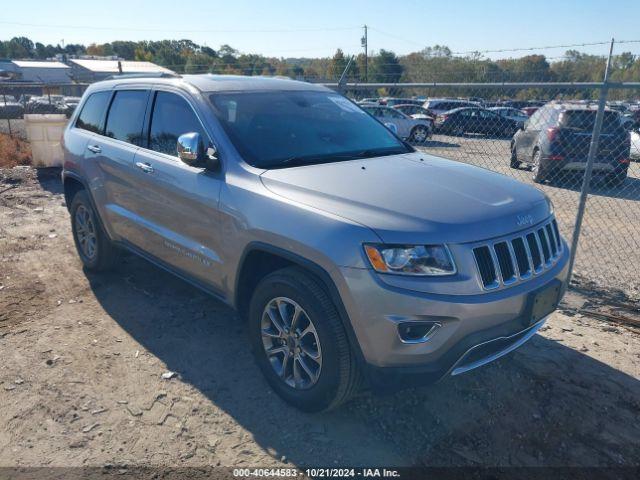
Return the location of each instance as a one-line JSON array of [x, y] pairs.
[[310, 159]]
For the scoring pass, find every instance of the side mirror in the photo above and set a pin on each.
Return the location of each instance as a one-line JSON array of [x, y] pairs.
[[191, 151], [391, 127], [189, 148]]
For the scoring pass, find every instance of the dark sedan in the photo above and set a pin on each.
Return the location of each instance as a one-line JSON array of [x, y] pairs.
[[475, 120]]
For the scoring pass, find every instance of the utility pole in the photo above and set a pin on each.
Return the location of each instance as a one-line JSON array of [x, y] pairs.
[[366, 55]]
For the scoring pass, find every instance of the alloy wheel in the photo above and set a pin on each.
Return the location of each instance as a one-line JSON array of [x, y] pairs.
[[86, 232], [420, 134], [291, 343]]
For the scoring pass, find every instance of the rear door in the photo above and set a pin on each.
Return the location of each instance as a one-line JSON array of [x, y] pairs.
[[112, 152], [176, 205], [402, 123], [527, 138]]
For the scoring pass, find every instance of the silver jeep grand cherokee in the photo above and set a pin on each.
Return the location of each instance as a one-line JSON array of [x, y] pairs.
[[354, 258]]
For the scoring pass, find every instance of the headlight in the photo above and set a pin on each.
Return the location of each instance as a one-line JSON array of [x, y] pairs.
[[432, 260]]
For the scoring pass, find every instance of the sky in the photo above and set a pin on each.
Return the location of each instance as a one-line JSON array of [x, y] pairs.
[[305, 28]]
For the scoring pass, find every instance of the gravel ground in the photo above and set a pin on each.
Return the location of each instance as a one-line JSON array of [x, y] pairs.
[[84, 355]]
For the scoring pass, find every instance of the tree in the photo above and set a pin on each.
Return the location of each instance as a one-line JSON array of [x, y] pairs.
[[337, 65], [385, 67]]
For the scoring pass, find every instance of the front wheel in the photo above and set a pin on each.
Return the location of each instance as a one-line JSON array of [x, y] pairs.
[[419, 134], [299, 342]]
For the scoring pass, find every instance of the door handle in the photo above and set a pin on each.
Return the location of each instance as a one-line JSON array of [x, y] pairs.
[[145, 167], [94, 148]]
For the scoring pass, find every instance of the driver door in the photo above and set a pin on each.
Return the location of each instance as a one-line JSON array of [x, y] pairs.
[[177, 204]]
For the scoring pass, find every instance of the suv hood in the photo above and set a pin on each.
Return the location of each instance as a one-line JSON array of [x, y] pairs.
[[415, 198]]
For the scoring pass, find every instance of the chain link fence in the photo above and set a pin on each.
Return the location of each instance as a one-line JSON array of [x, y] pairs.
[[538, 133], [541, 134], [20, 99]]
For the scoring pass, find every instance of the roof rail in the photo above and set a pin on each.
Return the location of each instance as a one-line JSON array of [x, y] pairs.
[[143, 75]]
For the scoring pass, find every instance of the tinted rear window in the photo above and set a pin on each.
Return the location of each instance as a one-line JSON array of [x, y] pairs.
[[585, 120], [92, 115], [126, 116]]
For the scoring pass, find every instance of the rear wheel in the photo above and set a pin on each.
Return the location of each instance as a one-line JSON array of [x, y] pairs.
[[419, 134], [616, 179], [299, 342], [94, 247], [513, 162], [457, 131], [539, 173]]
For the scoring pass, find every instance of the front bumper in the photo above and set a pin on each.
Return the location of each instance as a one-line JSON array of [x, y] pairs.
[[471, 329]]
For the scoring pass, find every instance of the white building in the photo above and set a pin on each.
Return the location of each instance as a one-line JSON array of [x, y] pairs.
[[37, 71], [93, 70]]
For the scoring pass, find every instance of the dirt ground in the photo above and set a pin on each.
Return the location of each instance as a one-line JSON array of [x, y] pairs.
[[83, 357]]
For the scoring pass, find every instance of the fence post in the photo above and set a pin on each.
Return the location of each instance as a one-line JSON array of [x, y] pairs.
[[593, 150], [4, 96]]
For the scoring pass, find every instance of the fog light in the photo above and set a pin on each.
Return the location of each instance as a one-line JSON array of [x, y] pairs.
[[416, 332]]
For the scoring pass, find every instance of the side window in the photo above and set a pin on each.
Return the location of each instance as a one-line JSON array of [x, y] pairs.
[[390, 113], [172, 116], [126, 116], [91, 117], [536, 120]]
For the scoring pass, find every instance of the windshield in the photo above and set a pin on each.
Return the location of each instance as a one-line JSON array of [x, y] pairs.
[[288, 128]]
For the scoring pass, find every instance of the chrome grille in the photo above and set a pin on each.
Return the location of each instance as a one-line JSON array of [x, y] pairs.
[[511, 260]]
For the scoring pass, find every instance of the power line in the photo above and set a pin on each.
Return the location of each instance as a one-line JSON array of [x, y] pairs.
[[505, 50], [139, 29], [527, 49]]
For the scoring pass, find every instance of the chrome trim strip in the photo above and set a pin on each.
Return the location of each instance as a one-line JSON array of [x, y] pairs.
[[529, 274], [543, 263], [514, 262], [493, 285], [496, 264], [427, 336], [546, 240], [483, 361], [534, 270]]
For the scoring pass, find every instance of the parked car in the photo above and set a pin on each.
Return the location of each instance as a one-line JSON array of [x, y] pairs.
[[528, 111], [408, 128], [11, 110], [393, 101], [475, 120], [514, 114], [375, 100], [556, 139], [351, 257], [634, 152], [441, 105], [415, 111]]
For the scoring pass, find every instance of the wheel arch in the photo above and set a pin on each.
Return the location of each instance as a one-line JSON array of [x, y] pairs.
[[73, 183], [259, 259]]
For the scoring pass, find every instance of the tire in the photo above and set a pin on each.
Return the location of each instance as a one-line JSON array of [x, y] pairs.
[[419, 134], [539, 173], [96, 251], [616, 179], [457, 131], [335, 367], [513, 161]]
